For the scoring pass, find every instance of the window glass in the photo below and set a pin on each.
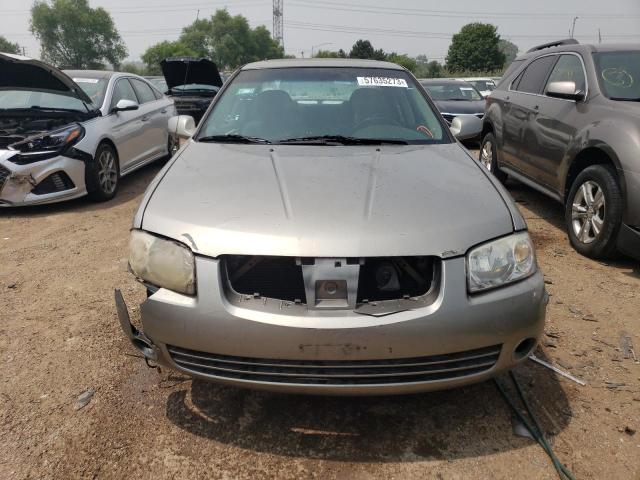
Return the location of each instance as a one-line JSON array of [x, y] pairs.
[[568, 69], [25, 99], [452, 91], [534, 77], [123, 91], [619, 74], [144, 92], [278, 104], [95, 88]]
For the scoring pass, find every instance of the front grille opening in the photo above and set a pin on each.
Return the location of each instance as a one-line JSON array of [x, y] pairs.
[[391, 278], [56, 182], [272, 277]]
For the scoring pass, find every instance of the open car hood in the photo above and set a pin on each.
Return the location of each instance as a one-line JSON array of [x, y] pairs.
[[23, 73], [188, 70]]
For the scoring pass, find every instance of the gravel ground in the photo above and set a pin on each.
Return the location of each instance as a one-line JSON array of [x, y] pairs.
[[59, 338]]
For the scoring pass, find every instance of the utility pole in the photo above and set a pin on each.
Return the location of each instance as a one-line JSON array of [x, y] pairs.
[[573, 26], [599, 37], [278, 22]]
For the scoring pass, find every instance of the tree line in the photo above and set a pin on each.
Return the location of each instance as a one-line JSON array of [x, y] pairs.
[[72, 34]]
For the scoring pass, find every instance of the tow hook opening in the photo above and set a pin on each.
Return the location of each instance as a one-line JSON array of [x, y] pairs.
[[136, 337]]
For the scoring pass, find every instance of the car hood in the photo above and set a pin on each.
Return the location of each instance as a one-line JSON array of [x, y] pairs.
[[325, 201], [461, 107], [187, 70], [23, 73]]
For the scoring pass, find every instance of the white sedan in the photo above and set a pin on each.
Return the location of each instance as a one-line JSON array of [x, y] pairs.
[[65, 135]]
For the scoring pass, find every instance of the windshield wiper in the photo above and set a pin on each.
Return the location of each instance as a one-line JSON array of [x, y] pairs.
[[624, 99], [341, 139], [232, 138]]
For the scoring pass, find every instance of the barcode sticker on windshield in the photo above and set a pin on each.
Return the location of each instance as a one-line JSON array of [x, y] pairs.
[[86, 80], [382, 82]]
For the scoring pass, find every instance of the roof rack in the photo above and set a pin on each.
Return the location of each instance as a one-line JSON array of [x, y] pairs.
[[557, 43]]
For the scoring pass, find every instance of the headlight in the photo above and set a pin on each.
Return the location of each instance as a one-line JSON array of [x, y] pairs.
[[162, 262], [48, 145], [500, 262]]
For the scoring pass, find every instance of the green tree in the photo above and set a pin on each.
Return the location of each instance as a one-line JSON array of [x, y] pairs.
[[364, 49], [403, 60], [8, 47], [475, 48], [74, 35], [158, 52], [330, 54], [229, 40], [509, 49], [132, 67]]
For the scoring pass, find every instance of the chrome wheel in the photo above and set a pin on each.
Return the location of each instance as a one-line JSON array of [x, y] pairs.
[[486, 155], [587, 212], [107, 171]]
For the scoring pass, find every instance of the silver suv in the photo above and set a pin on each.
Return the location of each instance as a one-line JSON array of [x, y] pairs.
[[565, 119]]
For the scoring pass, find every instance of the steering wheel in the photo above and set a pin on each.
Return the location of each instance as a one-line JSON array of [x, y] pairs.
[[377, 120]]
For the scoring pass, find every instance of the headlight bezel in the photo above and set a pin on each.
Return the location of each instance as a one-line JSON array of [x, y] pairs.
[[142, 267], [40, 147], [515, 275]]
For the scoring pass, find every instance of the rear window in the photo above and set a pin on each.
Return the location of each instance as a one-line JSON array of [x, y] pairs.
[[143, 91]]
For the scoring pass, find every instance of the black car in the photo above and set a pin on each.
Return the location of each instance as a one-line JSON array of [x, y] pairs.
[[454, 98], [192, 83]]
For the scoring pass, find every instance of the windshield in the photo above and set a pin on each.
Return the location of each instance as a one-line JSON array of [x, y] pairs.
[[452, 91], [313, 102], [10, 99], [95, 88], [159, 83], [619, 74], [483, 85]]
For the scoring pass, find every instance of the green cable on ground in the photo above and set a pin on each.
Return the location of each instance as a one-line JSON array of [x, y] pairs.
[[535, 429]]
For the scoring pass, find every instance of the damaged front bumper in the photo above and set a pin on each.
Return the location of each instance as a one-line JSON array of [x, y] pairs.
[[459, 339], [19, 183]]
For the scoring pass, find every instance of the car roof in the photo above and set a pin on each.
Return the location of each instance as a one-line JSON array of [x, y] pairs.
[[581, 48], [90, 73], [442, 81], [321, 62]]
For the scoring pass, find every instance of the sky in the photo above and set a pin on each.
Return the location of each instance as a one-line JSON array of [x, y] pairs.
[[409, 26]]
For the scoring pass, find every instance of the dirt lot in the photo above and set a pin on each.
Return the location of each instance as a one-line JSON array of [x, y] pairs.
[[59, 337]]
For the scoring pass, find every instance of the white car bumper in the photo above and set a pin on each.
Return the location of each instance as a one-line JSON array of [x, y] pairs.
[[22, 185]]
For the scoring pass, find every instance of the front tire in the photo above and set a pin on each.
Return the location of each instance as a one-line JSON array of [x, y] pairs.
[[593, 211], [489, 157], [103, 174]]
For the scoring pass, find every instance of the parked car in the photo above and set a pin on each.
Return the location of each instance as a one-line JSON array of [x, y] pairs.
[[158, 82], [484, 85], [455, 98], [334, 238], [566, 120], [192, 83], [65, 135]]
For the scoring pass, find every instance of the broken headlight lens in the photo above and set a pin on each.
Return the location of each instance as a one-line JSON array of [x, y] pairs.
[[48, 145], [500, 262], [161, 262]]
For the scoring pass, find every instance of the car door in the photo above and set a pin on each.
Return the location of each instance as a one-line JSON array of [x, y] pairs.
[[154, 135], [524, 95], [555, 123], [125, 126]]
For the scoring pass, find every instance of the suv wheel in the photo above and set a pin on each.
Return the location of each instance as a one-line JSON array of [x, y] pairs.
[[489, 157], [593, 211], [103, 174]]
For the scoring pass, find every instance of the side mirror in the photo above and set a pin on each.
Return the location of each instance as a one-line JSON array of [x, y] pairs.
[[184, 126], [125, 106], [465, 127], [566, 90]]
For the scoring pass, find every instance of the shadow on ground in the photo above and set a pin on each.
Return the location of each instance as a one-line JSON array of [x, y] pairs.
[[465, 422], [130, 187]]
